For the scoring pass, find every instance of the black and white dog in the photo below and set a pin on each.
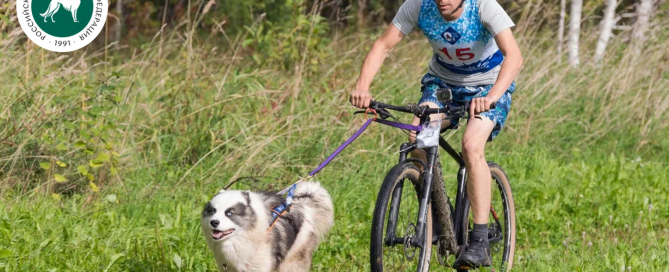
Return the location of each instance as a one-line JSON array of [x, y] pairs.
[[236, 223]]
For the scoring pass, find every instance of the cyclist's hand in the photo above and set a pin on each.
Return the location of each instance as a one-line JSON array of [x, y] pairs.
[[360, 99], [479, 105]]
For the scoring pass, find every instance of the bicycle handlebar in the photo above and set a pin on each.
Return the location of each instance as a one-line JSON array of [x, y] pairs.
[[451, 111]]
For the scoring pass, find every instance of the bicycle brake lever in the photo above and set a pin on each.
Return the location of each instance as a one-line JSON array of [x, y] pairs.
[[383, 113]]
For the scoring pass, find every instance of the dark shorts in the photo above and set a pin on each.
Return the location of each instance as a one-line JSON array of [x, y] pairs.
[[465, 94]]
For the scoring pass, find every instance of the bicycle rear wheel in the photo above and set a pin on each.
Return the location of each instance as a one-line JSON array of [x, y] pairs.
[[501, 221], [395, 217]]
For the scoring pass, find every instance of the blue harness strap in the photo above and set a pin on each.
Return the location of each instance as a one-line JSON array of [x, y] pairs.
[[285, 206], [282, 209]]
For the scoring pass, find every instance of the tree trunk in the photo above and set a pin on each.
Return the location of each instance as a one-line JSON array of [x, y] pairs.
[[362, 5], [119, 21], [574, 31], [643, 11], [606, 26], [563, 8]]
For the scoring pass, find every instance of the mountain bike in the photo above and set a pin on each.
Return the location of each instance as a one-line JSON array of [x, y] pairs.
[[410, 200]]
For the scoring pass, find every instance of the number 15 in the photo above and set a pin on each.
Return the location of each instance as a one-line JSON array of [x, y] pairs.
[[460, 53]]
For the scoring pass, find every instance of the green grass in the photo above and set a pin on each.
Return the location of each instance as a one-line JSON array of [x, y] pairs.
[[145, 140], [151, 222]]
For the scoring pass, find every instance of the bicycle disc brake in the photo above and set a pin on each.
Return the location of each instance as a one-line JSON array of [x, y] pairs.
[[410, 231]]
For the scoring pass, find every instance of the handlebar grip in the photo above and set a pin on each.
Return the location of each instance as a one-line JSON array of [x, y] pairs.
[[492, 106]]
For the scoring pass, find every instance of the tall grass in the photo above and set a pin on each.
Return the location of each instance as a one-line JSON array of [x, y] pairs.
[[106, 160], [226, 107]]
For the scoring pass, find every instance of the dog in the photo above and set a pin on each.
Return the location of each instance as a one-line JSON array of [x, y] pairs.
[[236, 226], [69, 5]]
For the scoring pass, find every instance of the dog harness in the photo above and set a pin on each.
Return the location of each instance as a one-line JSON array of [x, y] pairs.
[[280, 210]]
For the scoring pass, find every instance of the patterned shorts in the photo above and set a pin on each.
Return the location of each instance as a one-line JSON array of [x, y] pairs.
[[464, 94]]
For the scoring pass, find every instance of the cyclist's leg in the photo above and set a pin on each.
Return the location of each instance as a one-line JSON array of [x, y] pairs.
[[478, 179], [478, 131]]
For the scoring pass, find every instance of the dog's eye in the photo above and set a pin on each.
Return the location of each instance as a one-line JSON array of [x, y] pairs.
[[228, 213]]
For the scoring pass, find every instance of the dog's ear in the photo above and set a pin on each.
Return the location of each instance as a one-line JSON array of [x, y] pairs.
[[247, 196], [221, 191]]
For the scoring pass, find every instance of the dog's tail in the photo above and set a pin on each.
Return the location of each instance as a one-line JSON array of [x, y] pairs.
[[315, 197], [49, 10]]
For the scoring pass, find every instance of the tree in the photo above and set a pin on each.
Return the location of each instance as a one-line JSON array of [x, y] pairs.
[[605, 31], [119, 21], [574, 31], [643, 11], [563, 7]]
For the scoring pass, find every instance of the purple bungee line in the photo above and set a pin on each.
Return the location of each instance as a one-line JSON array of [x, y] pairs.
[[357, 133], [399, 125], [341, 147]]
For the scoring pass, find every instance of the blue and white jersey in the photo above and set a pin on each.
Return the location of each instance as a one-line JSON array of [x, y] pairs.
[[465, 52]]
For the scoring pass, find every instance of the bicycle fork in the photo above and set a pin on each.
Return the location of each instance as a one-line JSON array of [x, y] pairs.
[[428, 174], [417, 239]]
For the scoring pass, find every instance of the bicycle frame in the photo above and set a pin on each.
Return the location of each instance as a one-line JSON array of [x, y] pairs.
[[425, 195]]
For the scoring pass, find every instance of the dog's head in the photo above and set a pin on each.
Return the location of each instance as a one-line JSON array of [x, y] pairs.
[[227, 215]]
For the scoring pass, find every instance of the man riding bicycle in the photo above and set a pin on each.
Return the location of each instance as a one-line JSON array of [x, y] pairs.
[[476, 56]]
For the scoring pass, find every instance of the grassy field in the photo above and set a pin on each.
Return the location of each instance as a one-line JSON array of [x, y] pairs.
[[107, 157]]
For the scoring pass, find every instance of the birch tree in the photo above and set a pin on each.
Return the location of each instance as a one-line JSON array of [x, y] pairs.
[[563, 9], [574, 31], [638, 37], [605, 29], [119, 21]]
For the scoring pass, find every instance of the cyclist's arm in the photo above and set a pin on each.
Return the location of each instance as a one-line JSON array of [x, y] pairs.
[[511, 65], [499, 24], [360, 96]]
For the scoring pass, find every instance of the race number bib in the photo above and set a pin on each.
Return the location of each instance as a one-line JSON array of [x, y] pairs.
[[429, 135]]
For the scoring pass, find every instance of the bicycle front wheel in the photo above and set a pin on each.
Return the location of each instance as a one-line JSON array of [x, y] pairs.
[[395, 217], [501, 221]]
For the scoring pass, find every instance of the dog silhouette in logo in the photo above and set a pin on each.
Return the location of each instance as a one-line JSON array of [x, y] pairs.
[[448, 37], [69, 5]]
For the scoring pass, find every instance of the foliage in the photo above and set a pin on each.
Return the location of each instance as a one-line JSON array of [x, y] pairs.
[[285, 43], [70, 135]]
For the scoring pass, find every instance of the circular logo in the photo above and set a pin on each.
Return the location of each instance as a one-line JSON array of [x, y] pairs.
[[62, 25]]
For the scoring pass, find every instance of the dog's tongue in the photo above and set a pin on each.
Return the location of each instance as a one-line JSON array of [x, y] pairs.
[[217, 234]]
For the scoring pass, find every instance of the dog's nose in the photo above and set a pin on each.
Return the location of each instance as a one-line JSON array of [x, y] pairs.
[[214, 223]]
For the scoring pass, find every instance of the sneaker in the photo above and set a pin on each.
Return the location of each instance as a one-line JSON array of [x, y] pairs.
[[476, 254]]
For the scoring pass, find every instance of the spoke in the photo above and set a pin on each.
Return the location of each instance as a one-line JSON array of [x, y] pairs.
[[395, 257]]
